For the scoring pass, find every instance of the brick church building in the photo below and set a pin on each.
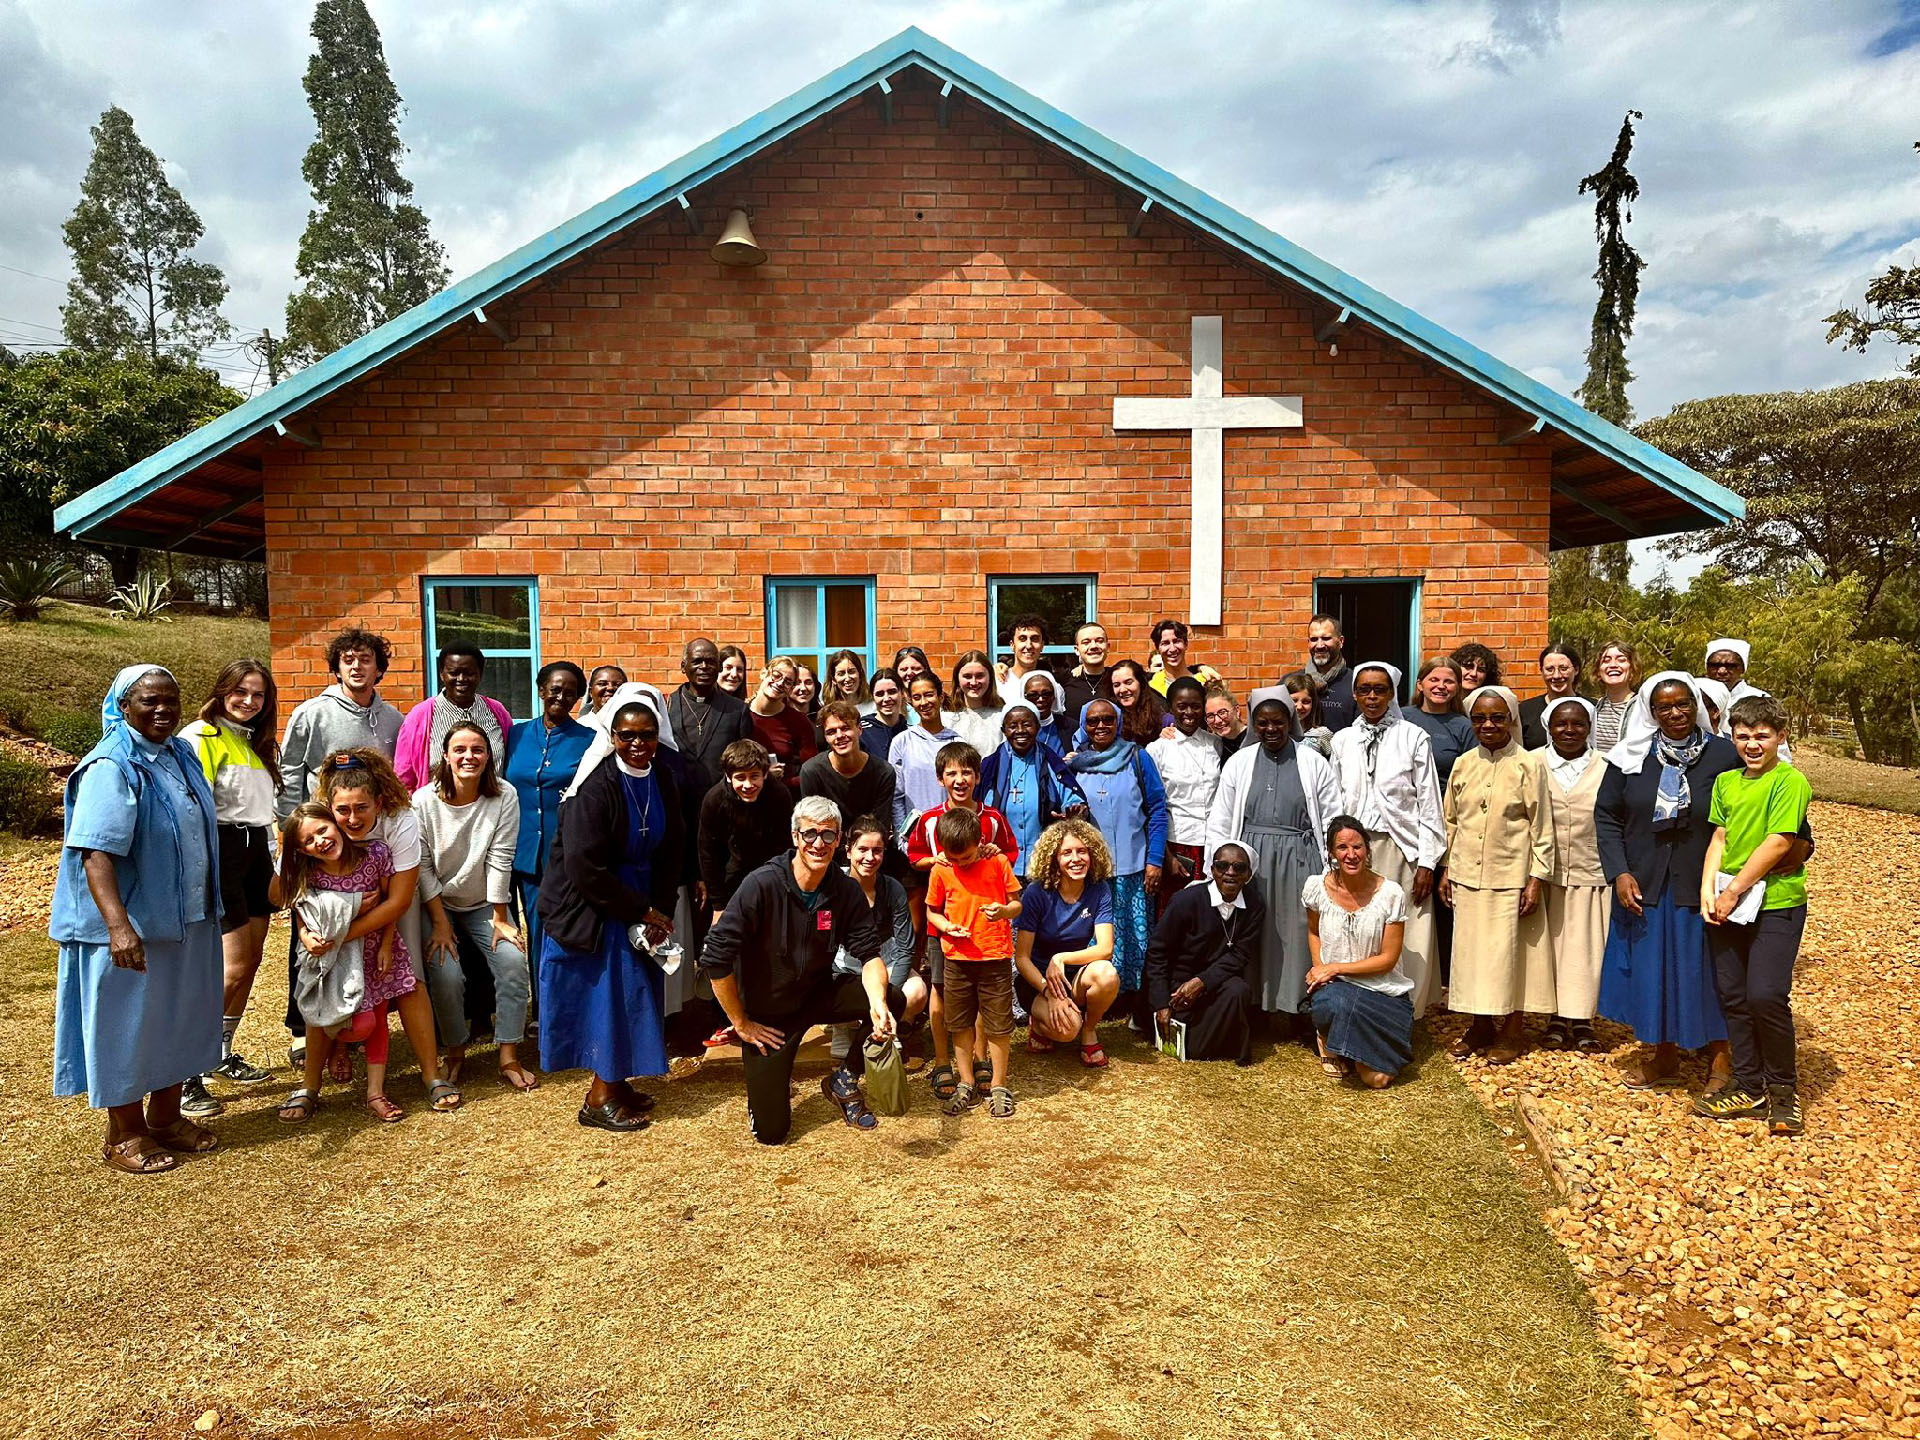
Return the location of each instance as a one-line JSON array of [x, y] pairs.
[[991, 362]]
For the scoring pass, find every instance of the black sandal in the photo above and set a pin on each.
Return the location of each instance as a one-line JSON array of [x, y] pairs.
[[1558, 1036], [944, 1082], [1584, 1040], [983, 1074], [853, 1105]]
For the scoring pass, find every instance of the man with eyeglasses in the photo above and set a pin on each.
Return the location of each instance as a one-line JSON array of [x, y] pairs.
[[770, 961]]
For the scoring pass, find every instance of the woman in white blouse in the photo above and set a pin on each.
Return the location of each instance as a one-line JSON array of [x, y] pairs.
[[1388, 782], [1188, 758], [1358, 992]]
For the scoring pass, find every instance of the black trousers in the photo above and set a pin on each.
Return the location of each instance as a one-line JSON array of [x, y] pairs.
[[1753, 971], [769, 1106], [296, 1022]]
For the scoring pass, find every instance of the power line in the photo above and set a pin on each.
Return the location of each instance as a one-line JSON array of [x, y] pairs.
[[32, 274]]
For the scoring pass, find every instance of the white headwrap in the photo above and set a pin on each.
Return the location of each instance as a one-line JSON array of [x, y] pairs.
[[1566, 772], [1638, 731], [1205, 877], [1507, 698], [1722, 698], [1546, 715], [1727, 642], [1394, 673], [601, 722], [1017, 690], [1013, 705]]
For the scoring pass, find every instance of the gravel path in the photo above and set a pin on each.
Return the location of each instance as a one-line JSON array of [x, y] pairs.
[[1751, 1286]]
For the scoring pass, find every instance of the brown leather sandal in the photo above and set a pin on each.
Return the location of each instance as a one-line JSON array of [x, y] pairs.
[[136, 1156], [183, 1137]]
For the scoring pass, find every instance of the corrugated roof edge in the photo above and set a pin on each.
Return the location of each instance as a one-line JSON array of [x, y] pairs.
[[776, 122]]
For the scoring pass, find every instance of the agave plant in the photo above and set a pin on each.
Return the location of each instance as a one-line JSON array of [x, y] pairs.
[[144, 599], [27, 584]]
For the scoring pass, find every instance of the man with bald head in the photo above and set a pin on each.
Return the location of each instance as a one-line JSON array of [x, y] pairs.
[[705, 718]]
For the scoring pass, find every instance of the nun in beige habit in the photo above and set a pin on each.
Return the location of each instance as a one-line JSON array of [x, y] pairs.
[[1499, 858], [1570, 927]]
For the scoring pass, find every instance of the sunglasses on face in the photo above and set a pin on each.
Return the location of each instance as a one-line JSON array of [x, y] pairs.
[[636, 737], [1232, 867]]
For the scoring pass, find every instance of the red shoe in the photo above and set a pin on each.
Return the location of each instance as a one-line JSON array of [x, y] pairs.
[[723, 1036]]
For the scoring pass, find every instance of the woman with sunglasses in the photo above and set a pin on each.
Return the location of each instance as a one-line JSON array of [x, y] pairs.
[[610, 885]]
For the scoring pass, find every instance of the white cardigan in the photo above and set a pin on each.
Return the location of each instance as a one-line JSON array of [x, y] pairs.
[[1406, 789], [1227, 818]]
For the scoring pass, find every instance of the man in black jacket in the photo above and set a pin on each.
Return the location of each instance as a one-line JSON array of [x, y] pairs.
[[770, 960]]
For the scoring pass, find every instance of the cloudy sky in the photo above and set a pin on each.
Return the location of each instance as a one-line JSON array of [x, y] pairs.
[[1430, 147]]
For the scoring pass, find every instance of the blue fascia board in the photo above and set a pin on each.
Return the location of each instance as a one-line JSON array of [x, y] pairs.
[[772, 125]]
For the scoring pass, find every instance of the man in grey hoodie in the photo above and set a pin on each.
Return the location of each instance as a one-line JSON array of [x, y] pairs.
[[345, 715]]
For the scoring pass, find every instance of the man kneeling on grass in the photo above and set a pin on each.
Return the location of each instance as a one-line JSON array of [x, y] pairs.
[[770, 960]]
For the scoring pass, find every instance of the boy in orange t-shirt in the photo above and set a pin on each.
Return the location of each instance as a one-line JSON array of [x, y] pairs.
[[971, 905]]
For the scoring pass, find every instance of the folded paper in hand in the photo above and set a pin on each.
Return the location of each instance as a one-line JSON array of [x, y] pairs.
[[1748, 910]]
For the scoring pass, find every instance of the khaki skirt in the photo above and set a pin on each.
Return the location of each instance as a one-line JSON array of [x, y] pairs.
[[1493, 972], [1568, 933]]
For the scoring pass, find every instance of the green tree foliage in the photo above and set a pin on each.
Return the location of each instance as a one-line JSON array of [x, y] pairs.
[[1892, 312], [136, 288], [367, 254], [71, 420]]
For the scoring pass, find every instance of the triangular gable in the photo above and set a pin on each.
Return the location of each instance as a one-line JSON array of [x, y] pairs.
[[220, 486]]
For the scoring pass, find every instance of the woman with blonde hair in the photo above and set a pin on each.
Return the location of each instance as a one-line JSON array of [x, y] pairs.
[[1063, 940], [779, 722]]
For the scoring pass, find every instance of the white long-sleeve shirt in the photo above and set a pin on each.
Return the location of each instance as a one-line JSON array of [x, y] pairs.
[[466, 851], [1227, 819], [1189, 767], [1402, 796]]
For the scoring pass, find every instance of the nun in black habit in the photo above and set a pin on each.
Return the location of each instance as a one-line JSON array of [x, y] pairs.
[[1201, 953]]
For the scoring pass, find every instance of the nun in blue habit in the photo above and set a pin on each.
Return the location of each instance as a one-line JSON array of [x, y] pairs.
[[136, 913]]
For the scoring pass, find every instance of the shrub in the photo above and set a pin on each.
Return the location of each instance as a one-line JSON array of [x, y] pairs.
[[28, 583], [73, 731], [27, 796], [144, 599], [15, 710]]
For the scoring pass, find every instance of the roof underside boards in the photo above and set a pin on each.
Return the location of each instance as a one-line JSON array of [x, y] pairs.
[[202, 494]]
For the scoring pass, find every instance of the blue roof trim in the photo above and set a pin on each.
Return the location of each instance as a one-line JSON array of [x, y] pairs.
[[774, 124]]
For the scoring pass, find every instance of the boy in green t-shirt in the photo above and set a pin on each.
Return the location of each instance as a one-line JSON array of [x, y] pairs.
[[1757, 813]]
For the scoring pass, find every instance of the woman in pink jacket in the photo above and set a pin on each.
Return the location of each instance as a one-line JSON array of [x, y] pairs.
[[424, 732]]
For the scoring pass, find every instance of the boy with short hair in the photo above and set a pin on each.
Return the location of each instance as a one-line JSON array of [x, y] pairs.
[[958, 766], [744, 822], [1757, 812], [972, 900]]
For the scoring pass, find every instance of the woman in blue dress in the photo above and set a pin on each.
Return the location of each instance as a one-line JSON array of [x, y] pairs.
[[136, 912], [1126, 799], [615, 865], [542, 755]]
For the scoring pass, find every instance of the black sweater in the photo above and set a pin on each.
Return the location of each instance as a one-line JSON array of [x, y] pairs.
[[1191, 939], [736, 838], [1623, 825], [777, 947], [581, 888]]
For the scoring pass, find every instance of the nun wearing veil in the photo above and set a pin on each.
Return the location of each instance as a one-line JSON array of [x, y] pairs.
[[1389, 783], [607, 902], [1203, 953], [136, 913], [1570, 927], [1499, 858], [1725, 662]]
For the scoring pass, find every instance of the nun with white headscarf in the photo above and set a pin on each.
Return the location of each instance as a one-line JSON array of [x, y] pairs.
[[1652, 824], [607, 904], [1570, 927], [1499, 857], [1725, 663], [136, 913], [1388, 782]]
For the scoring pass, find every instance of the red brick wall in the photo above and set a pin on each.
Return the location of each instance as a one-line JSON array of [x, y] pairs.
[[917, 385]]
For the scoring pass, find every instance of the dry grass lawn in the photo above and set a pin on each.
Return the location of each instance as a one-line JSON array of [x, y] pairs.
[[1162, 1251], [67, 659]]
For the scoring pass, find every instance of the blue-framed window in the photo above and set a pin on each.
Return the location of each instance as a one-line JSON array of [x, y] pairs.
[[1380, 618], [502, 617], [809, 619], [1065, 602]]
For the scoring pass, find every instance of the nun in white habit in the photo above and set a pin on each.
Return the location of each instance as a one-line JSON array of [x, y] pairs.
[[1389, 784]]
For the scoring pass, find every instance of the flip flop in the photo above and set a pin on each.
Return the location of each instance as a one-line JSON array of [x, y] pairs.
[[1094, 1056]]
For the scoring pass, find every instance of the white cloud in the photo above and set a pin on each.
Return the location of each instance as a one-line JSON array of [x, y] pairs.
[[1429, 147]]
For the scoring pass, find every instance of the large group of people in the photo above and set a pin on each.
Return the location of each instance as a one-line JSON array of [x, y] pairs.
[[959, 853]]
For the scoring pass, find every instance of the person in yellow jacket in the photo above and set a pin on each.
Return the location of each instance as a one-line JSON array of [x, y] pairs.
[[235, 738]]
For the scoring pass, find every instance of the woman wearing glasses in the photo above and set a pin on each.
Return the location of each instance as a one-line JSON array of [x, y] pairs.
[[610, 880]]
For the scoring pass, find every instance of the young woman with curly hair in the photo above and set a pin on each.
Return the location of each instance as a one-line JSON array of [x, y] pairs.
[[1063, 940]]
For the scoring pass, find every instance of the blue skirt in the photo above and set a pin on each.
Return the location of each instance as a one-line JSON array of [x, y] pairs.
[[1365, 1026], [119, 1035], [601, 1010], [1132, 922], [1656, 978]]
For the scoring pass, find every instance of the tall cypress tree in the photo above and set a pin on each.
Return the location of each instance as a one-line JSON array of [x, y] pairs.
[[367, 254], [136, 290], [1614, 190]]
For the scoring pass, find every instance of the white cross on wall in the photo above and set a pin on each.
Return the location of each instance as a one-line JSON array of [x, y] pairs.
[[1208, 414]]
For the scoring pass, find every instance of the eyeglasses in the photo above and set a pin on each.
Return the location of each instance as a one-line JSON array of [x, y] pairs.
[[818, 837]]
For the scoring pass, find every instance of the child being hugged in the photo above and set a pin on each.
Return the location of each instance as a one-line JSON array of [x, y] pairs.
[[318, 863], [972, 901], [1754, 940]]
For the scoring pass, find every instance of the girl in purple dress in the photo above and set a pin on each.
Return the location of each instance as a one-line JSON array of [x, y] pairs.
[[317, 856]]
